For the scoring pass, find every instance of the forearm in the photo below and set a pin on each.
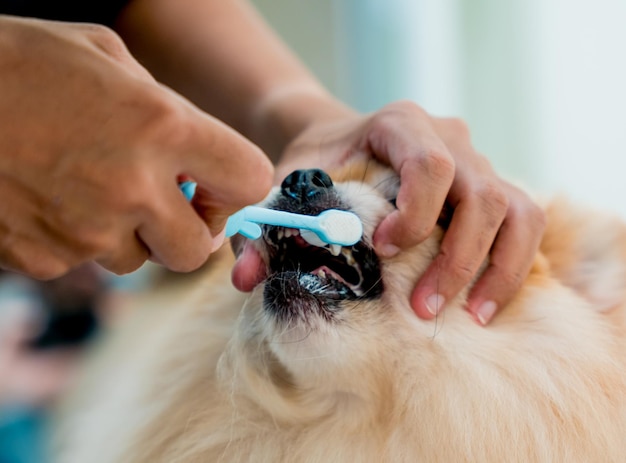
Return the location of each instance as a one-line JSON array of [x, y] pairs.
[[222, 56]]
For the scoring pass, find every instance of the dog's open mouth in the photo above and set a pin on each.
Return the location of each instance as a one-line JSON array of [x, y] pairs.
[[331, 270], [301, 274]]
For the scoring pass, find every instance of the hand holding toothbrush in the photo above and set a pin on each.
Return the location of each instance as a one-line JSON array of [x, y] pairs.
[[89, 166]]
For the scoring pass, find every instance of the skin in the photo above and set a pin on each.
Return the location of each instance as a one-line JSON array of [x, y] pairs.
[[147, 137], [91, 163]]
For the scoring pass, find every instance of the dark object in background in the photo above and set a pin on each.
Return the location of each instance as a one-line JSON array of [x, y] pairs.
[[93, 11], [70, 304], [66, 329]]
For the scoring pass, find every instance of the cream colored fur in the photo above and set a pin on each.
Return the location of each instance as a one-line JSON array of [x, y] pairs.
[[207, 376]]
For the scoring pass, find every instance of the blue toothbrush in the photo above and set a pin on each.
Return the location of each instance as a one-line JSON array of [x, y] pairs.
[[331, 226]]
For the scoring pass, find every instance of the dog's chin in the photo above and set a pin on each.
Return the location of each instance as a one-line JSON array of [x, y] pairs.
[[297, 297]]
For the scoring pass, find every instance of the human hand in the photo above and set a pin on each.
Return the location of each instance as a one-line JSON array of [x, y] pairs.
[[92, 147], [437, 165]]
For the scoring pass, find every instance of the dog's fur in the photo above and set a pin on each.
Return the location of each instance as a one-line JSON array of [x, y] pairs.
[[210, 375]]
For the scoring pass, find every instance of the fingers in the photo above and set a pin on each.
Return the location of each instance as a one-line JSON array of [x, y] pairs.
[[230, 171], [511, 259], [130, 254], [476, 221], [112, 45], [509, 220], [438, 165], [404, 138], [174, 233], [417, 211], [108, 192], [34, 259]]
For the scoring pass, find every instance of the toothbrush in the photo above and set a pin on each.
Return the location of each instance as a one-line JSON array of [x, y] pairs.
[[332, 226]]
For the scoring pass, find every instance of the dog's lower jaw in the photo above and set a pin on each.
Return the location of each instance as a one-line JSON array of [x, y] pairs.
[[302, 374], [295, 298]]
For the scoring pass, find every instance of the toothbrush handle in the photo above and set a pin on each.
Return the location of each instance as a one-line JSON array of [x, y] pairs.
[[188, 189], [245, 221], [279, 218], [235, 224], [238, 223]]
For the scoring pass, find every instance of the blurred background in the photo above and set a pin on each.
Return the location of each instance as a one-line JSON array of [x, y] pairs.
[[541, 84]]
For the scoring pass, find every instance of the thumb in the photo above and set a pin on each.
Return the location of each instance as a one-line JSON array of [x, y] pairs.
[[231, 172]]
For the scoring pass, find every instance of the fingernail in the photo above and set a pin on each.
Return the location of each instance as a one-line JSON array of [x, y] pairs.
[[388, 250], [434, 303], [485, 312]]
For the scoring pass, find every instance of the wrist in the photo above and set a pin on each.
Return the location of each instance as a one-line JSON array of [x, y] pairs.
[[284, 113]]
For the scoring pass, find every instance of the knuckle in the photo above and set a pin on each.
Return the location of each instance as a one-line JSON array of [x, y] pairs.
[[386, 119], [534, 215], [492, 198], [459, 269], [94, 243], [382, 124], [461, 272], [524, 210], [134, 189], [457, 126], [414, 233], [482, 163], [107, 40], [437, 163], [123, 267], [192, 262], [453, 128], [37, 265], [123, 258], [164, 118], [538, 218], [45, 269], [403, 107], [510, 280]]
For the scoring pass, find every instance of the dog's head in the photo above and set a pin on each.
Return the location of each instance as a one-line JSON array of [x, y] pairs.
[[329, 311]]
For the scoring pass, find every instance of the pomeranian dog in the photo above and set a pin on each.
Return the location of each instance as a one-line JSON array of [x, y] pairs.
[[326, 362]]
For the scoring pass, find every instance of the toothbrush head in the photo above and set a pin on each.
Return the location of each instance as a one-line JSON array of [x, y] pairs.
[[339, 227]]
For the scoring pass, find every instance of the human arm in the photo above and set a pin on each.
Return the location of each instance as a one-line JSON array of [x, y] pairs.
[[222, 56]]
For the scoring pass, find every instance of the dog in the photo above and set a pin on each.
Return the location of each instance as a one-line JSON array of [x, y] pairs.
[[325, 361]]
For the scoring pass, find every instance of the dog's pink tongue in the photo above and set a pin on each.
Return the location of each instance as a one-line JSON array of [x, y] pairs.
[[249, 270]]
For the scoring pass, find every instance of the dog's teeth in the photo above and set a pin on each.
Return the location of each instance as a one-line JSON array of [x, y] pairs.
[[311, 238], [347, 253], [280, 233], [335, 249], [295, 232], [288, 232], [321, 273]]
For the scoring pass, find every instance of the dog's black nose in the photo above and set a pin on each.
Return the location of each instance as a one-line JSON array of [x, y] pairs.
[[304, 185]]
